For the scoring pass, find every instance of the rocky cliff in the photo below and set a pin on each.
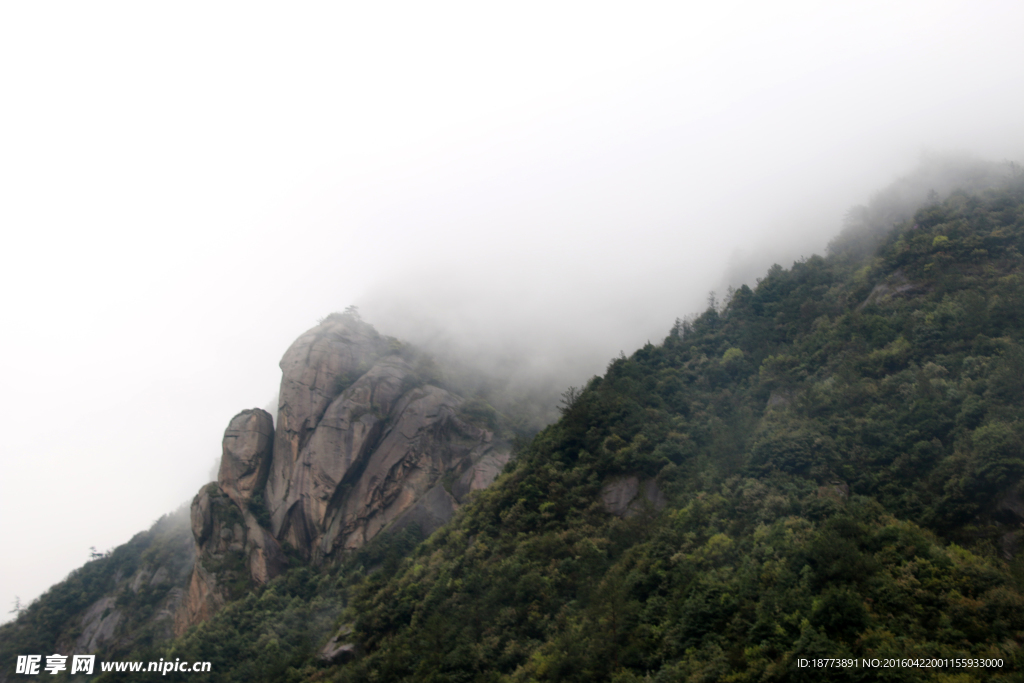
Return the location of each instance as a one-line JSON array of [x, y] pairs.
[[366, 441]]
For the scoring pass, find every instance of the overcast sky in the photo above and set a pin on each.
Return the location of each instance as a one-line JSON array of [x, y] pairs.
[[187, 187]]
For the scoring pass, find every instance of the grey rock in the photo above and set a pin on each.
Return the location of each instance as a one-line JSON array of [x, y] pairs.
[[361, 445], [202, 521], [429, 513], [424, 441], [617, 494], [265, 557], [222, 540], [1011, 507], [1009, 544], [102, 627], [379, 447], [161, 575], [314, 368], [98, 624], [482, 473], [202, 599], [338, 650], [246, 454], [629, 495], [896, 285], [336, 452], [650, 495], [139, 579]]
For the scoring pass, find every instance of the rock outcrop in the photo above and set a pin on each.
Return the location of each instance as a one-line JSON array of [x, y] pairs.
[[245, 460], [629, 495], [315, 368], [233, 550], [362, 438], [338, 649], [365, 441], [897, 285], [143, 596]]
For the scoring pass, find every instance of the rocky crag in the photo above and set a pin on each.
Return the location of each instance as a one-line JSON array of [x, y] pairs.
[[366, 441]]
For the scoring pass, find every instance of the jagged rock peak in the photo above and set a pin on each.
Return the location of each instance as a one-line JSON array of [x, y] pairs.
[[364, 432], [366, 440], [315, 368], [245, 460]]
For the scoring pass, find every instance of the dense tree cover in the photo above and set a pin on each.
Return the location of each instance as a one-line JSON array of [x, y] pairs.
[[897, 378], [840, 449], [159, 556]]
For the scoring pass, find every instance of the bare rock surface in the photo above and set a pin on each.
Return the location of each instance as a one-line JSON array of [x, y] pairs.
[[245, 462], [897, 285], [158, 581], [363, 443], [629, 495], [617, 494], [429, 513], [98, 624], [338, 649], [481, 473], [202, 600], [424, 440], [232, 550], [1011, 507], [778, 400], [314, 370], [336, 452], [1009, 544]]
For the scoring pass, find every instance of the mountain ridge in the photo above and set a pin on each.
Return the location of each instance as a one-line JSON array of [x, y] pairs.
[[827, 465]]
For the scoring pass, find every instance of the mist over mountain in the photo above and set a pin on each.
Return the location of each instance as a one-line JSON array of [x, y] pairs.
[[485, 318], [527, 190], [825, 464]]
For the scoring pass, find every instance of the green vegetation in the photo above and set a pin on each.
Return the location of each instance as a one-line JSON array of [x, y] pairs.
[[896, 377], [841, 453], [159, 559]]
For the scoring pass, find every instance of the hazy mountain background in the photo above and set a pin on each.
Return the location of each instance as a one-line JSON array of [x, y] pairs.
[[184, 190]]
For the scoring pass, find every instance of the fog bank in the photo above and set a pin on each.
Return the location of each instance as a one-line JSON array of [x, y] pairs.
[[185, 189]]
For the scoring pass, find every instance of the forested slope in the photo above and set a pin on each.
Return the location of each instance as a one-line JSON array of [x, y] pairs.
[[119, 601], [827, 465], [841, 448]]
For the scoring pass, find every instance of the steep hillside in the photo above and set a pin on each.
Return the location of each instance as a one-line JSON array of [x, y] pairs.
[[123, 600], [828, 465], [367, 439], [841, 453], [370, 437]]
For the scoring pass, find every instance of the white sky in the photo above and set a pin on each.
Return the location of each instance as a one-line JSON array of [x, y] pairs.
[[186, 187]]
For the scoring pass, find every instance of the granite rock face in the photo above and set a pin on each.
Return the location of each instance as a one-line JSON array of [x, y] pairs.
[[245, 462], [365, 442], [629, 495], [233, 552], [380, 446], [315, 368], [424, 441], [98, 624]]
